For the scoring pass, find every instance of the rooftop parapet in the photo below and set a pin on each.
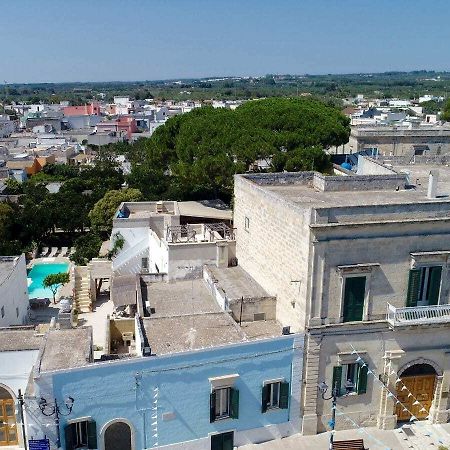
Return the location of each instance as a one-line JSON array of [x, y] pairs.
[[327, 183]]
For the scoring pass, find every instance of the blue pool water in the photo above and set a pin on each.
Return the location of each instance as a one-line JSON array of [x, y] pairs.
[[37, 275]]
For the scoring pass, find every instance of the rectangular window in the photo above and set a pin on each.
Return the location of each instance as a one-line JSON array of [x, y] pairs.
[[354, 295], [246, 223], [350, 378], [17, 312], [224, 404], [275, 395], [3, 312], [81, 434], [424, 286], [223, 441]]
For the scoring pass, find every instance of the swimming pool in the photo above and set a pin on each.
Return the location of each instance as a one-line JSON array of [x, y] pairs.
[[37, 274]]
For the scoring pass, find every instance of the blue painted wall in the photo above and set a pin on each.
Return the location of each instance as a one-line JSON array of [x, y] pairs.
[[108, 391]]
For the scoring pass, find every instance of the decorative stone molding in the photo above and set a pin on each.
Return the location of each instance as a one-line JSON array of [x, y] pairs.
[[419, 361]]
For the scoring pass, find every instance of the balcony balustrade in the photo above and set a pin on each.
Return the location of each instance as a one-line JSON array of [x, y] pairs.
[[417, 315]]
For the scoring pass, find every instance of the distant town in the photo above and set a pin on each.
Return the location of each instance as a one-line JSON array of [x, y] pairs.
[[231, 262]]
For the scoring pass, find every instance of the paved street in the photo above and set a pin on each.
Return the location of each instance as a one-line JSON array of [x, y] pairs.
[[419, 436]]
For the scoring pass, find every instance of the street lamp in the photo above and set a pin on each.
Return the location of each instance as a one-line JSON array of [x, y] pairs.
[[53, 409], [323, 388]]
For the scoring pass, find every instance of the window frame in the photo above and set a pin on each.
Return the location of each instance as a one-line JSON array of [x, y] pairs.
[[269, 385], [359, 378], [365, 312], [424, 283], [223, 413]]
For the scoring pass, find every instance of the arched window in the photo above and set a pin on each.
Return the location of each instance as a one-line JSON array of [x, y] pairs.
[[118, 436]]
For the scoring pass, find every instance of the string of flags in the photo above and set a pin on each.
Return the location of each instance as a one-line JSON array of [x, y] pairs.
[[362, 430], [390, 394]]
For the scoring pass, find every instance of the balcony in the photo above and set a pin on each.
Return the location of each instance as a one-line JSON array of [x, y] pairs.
[[417, 315]]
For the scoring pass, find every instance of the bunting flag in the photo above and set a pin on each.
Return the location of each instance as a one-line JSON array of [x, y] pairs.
[[403, 387]]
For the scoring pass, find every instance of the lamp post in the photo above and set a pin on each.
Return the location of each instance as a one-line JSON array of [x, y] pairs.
[[323, 387], [53, 409]]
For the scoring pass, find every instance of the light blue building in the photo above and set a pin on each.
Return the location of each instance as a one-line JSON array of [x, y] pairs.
[[198, 380], [183, 400]]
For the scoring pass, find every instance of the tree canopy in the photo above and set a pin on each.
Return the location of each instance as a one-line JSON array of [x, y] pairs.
[[102, 213], [54, 280], [195, 155], [445, 115]]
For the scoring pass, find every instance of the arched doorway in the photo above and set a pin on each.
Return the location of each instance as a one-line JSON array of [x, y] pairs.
[[118, 436], [8, 424], [420, 381]]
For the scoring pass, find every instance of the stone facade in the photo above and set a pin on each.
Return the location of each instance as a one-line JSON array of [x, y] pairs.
[[398, 141], [302, 245]]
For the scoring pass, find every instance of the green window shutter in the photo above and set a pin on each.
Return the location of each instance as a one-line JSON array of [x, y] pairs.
[[212, 407], [216, 442], [265, 398], [227, 442], [413, 287], [284, 395], [337, 379], [92, 434], [361, 382], [68, 434], [354, 294], [234, 403], [435, 285]]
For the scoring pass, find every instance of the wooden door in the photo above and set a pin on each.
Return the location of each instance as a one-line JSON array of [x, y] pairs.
[[422, 389], [8, 425]]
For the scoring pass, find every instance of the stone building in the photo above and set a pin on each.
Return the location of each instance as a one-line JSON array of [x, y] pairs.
[[400, 140], [360, 262]]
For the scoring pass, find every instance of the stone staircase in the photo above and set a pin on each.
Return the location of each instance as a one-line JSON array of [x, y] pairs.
[[82, 300]]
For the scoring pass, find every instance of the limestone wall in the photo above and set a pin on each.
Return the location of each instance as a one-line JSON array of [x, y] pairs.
[[273, 247]]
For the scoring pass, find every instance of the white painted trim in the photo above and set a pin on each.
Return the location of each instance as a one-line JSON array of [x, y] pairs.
[[79, 419], [223, 381], [111, 422], [10, 391], [275, 380]]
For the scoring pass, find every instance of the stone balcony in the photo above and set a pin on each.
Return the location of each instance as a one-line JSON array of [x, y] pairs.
[[417, 315]]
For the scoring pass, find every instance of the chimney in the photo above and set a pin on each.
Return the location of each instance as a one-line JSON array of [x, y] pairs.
[[432, 183]]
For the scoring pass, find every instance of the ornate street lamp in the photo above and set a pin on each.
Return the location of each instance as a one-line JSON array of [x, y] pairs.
[[53, 409]]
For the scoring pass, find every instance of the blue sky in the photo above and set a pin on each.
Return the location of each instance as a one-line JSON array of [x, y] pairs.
[[95, 40]]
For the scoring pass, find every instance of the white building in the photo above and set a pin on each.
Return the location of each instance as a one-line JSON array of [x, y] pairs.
[[172, 240], [13, 290], [19, 349]]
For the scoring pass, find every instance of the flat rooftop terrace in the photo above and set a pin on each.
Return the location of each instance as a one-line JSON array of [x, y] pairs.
[[187, 317], [7, 266], [19, 338], [358, 190], [236, 283], [180, 298], [65, 349]]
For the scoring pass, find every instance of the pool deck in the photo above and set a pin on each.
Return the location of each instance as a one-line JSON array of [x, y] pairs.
[[54, 260]]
